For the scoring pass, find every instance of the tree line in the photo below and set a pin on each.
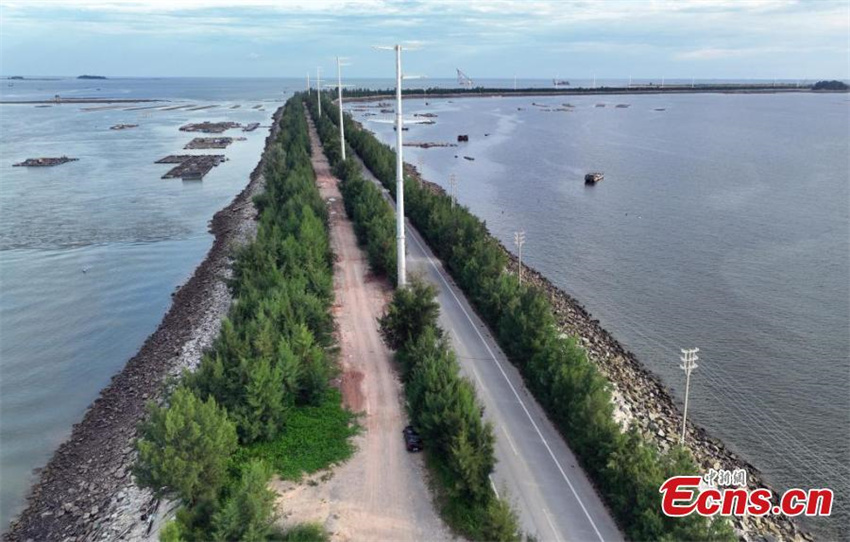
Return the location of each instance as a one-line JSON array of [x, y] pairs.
[[626, 468], [206, 445], [373, 218], [442, 405]]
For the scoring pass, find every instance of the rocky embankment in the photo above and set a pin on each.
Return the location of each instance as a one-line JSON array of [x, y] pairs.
[[86, 491], [641, 398]]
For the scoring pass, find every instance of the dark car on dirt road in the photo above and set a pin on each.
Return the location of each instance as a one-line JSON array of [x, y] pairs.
[[412, 440]]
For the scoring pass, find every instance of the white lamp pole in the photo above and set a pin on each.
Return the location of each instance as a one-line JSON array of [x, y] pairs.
[[689, 363], [339, 66], [399, 173], [319, 89], [399, 163], [519, 240]]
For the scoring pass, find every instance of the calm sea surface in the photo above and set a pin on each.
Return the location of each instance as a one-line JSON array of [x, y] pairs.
[[90, 251], [723, 222]]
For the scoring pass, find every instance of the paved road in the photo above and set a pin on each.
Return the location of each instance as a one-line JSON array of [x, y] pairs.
[[536, 470]]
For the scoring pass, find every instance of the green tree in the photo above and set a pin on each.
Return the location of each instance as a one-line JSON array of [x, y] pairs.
[[247, 514], [501, 522], [185, 447], [170, 532], [412, 309]]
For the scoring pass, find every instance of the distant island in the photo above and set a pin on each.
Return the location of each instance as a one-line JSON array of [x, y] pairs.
[[830, 85], [91, 77]]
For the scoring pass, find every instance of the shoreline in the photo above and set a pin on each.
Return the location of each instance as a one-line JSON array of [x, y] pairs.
[[84, 101], [607, 91], [86, 491], [640, 397]]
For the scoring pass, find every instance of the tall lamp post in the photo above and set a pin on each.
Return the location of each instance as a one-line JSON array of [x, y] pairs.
[[339, 66], [519, 240], [399, 164], [689, 363], [319, 89]]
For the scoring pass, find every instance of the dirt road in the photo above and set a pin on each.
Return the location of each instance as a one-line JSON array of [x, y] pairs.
[[380, 494]]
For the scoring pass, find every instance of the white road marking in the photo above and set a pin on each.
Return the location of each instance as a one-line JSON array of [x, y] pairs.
[[493, 485], [477, 378], [549, 519], [510, 441], [510, 384]]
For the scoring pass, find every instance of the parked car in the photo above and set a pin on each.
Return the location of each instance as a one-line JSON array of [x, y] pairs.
[[412, 440]]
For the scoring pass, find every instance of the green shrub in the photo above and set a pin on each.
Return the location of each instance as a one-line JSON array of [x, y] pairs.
[[185, 447], [247, 514], [306, 532], [414, 308], [170, 532]]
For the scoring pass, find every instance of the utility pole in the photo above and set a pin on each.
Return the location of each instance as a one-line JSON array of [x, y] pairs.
[[519, 240], [308, 85], [594, 80], [689, 363], [319, 89], [453, 184], [630, 81], [399, 174], [399, 166], [339, 66]]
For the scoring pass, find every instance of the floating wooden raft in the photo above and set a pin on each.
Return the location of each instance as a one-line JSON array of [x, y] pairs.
[[209, 143], [44, 162], [190, 166]]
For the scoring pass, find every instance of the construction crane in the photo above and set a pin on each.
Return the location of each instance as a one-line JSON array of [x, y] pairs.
[[464, 80]]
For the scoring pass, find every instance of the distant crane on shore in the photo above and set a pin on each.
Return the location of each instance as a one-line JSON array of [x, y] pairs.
[[689, 363], [463, 80]]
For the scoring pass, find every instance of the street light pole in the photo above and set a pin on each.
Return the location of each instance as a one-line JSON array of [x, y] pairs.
[[689, 363], [339, 66], [519, 240], [399, 165], [319, 89], [399, 173]]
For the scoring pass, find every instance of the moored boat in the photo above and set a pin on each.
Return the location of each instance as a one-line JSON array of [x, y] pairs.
[[593, 177]]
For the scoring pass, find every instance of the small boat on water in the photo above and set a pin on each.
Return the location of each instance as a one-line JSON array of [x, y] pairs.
[[593, 177]]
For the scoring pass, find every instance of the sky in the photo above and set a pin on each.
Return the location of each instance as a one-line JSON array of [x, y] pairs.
[[706, 39]]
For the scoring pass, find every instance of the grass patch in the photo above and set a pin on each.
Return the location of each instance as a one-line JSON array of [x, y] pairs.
[[314, 438], [306, 532]]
